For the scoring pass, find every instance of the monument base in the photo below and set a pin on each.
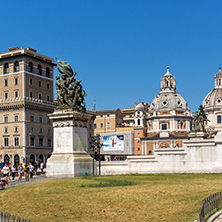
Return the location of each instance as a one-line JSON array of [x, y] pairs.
[[69, 164], [70, 145]]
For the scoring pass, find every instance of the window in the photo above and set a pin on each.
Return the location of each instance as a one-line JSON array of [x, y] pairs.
[[49, 142], [6, 95], [6, 129], [16, 129], [16, 94], [47, 72], [40, 84], [101, 125], [30, 82], [219, 82], [48, 86], [16, 81], [138, 148], [6, 119], [164, 126], [6, 82], [31, 118], [39, 70], [219, 119], [90, 126], [40, 119], [48, 120], [16, 66], [95, 126], [49, 131], [108, 125], [6, 68], [31, 129], [40, 96], [30, 68], [16, 141], [40, 130], [48, 98], [31, 94], [138, 122], [5, 141], [40, 141], [32, 141], [16, 118]]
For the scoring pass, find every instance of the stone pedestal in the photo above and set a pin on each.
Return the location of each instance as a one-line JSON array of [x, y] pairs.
[[198, 135], [70, 145]]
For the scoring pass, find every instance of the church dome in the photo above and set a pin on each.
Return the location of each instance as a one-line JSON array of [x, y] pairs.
[[139, 107], [214, 98], [168, 99]]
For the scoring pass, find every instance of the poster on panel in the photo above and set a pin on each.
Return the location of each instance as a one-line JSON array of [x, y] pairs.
[[111, 143]]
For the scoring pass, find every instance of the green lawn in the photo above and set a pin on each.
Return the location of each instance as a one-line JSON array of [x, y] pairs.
[[153, 197]]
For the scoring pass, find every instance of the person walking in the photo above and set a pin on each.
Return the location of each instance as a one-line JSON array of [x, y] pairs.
[[31, 170], [26, 171], [13, 169], [5, 171], [20, 171], [9, 170], [42, 167], [35, 168]]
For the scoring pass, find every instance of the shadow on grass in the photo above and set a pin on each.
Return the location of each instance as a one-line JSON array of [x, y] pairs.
[[107, 183]]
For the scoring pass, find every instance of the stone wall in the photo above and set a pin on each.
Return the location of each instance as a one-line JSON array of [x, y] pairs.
[[198, 155]]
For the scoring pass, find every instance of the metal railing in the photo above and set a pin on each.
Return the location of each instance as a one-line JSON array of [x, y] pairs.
[[209, 206], [11, 218]]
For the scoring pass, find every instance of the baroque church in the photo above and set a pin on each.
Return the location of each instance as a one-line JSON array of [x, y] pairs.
[[166, 123]]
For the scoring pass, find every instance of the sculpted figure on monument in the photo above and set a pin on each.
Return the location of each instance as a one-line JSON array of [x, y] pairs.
[[200, 119], [69, 91]]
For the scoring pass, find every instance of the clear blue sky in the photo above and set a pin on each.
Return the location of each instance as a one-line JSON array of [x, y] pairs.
[[120, 48]]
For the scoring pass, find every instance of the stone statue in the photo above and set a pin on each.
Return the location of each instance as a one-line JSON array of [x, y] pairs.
[[200, 119], [70, 93]]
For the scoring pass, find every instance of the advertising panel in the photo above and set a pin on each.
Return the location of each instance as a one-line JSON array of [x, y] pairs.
[[111, 143]]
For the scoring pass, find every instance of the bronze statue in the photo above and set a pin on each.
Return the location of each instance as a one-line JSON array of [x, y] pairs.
[[200, 119], [69, 91]]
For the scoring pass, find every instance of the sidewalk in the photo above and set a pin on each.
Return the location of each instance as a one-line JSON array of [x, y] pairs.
[[219, 219]]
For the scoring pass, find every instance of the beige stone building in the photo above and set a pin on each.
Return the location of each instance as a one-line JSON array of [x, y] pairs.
[[107, 121], [26, 97]]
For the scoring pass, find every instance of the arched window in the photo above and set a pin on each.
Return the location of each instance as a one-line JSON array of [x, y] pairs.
[[41, 158], [32, 159], [30, 68], [219, 119], [39, 70], [47, 72], [6, 68], [16, 66], [6, 158], [16, 160], [138, 122]]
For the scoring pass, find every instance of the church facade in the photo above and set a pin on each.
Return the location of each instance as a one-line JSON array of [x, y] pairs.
[[166, 123]]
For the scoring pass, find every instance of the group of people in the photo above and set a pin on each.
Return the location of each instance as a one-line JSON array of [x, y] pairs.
[[28, 170]]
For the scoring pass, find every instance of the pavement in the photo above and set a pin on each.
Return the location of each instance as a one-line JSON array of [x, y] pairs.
[[219, 219]]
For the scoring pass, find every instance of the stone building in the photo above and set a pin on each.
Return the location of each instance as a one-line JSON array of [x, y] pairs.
[[167, 122], [107, 121], [26, 97], [212, 104]]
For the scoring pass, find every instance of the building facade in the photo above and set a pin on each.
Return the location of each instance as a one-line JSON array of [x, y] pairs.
[[212, 104], [166, 124], [26, 97]]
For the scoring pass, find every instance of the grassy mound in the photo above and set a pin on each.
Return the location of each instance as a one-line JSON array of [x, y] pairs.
[[154, 197]]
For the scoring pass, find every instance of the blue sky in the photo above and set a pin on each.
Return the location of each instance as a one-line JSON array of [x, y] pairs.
[[121, 48]]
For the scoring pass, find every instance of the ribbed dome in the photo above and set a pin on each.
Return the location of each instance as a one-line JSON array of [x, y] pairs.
[[139, 107], [213, 98], [167, 102]]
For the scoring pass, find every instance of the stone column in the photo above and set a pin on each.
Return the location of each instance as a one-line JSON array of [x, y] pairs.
[[70, 145]]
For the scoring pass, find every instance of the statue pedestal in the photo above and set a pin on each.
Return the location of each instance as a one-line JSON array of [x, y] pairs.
[[70, 145], [198, 135]]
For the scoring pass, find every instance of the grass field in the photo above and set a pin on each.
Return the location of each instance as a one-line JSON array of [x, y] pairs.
[[153, 197]]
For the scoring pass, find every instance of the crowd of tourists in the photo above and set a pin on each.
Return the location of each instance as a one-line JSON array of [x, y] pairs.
[[27, 170]]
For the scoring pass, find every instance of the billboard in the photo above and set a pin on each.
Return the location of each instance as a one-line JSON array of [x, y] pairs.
[[111, 143]]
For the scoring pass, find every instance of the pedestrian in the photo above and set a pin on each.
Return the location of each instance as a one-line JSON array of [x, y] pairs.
[[26, 172], [13, 169], [31, 170], [20, 171], [5, 171], [35, 168], [10, 170], [42, 167]]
